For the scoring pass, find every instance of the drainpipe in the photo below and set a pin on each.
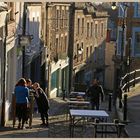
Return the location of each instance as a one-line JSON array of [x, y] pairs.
[[4, 73], [23, 33]]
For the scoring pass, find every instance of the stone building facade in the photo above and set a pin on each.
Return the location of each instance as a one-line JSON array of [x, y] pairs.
[[8, 60], [90, 28], [57, 37]]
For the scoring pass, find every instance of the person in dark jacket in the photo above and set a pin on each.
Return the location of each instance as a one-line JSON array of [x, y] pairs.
[[42, 103], [21, 95], [95, 93], [31, 90]]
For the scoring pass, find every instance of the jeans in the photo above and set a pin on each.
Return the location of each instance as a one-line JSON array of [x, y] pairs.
[[94, 105], [44, 115]]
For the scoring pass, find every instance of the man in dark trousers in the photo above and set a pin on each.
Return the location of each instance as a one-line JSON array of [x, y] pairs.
[[95, 93]]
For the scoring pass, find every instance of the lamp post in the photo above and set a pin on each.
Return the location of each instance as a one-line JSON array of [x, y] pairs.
[[123, 37], [123, 7], [129, 61]]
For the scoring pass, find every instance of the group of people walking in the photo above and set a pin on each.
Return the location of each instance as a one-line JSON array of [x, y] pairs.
[[24, 88], [23, 91]]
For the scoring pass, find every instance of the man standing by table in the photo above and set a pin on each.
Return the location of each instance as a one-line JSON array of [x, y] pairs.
[[95, 93]]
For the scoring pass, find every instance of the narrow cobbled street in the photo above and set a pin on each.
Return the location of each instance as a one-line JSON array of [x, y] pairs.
[[58, 124]]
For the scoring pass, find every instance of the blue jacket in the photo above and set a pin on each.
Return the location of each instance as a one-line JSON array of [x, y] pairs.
[[22, 94]]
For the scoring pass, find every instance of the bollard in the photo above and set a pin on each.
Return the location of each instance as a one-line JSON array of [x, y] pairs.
[[120, 97], [110, 102], [134, 79], [120, 103], [125, 108], [64, 94]]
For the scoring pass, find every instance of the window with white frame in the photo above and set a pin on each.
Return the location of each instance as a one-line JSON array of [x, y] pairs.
[[78, 28], [63, 18], [61, 43], [87, 29], [87, 53], [57, 44], [102, 29], [137, 9], [77, 48], [136, 41], [96, 30], [66, 16], [82, 46], [57, 18], [77, 51], [91, 30], [83, 25]]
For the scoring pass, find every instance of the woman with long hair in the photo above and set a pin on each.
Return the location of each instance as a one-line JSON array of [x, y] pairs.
[[21, 95], [42, 103]]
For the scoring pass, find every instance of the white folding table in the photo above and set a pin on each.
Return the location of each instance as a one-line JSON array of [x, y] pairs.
[[78, 93], [100, 114], [78, 104]]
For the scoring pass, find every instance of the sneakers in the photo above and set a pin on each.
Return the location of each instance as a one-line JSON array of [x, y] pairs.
[[23, 127], [43, 124], [47, 124]]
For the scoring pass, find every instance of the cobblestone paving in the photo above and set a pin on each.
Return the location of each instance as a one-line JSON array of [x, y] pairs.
[[59, 124]]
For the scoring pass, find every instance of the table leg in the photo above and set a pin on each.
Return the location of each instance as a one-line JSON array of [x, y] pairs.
[[71, 126]]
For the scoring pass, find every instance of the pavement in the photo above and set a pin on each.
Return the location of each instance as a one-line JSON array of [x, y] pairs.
[[59, 123], [133, 114]]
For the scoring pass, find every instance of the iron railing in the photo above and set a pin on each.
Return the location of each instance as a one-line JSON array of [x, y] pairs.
[[130, 79], [127, 81]]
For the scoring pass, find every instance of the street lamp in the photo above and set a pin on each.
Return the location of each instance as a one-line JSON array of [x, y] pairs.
[[80, 51], [123, 7], [113, 6]]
